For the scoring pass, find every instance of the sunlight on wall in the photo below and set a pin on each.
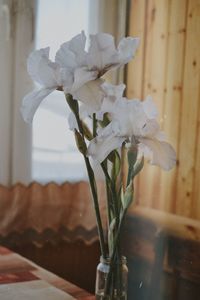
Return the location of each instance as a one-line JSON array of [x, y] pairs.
[[54, 156]]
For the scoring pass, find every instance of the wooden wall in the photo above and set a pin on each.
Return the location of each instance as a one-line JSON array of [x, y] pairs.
[[167, 66]]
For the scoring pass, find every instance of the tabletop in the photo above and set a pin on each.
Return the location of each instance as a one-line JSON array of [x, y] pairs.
[[21, 279]]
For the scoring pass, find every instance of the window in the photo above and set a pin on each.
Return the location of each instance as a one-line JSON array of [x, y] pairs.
[[54, 156]]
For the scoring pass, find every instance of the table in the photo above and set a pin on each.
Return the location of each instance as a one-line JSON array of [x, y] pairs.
[[21, 279]]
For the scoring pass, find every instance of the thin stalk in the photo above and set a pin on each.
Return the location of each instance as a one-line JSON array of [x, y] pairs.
[[109, 200], [123, 164], [94, 125], [119, 268], [91, 176], [113, 257], [113, 192], [129, 176], [96, 205]]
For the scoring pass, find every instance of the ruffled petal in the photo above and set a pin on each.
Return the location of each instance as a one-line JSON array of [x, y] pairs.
[[72, 54], [100, 147], [113, 90], [162, 153], [82, 76], [150, 129], [112, 129], [65, 79], [90, 94], [102, 51], [126, 49], [150, 108], [31, 102], [111, 95], [41, 68]]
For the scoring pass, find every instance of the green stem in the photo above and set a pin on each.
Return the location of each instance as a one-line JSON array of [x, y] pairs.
[[73, 104], [94, 125], [129, 176], [96, 205], [113, 257], [111, 186], [123, 167], [109, 200]]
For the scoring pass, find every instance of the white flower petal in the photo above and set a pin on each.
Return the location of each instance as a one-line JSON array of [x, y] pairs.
[[34, 61], [150, 108], [150, 129], [65, 79], [102, 51], [72, 122], [90, 94], [100, 147], [41, 68], [112, 94], [72, 54], [113, 90], [31, 102], [163, 154], [83, 114], [161, 136], [112, 129], [82, 76], [130, 116], [126, 49]]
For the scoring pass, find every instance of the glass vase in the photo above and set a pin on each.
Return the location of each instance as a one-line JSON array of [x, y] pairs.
[[116, 288]]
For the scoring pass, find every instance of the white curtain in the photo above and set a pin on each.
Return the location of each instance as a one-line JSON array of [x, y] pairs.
[[17, 29], [17, 18]]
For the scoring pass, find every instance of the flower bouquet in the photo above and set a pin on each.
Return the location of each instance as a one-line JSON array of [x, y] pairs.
[[108, 128]]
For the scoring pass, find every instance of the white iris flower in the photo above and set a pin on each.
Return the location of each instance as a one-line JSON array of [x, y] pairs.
[[133, 121], [47, 74], [76, 71]]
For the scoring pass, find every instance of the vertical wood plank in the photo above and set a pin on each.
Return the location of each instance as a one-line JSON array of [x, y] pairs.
[[135, 67], [169, 70], [196, 188], [134, 74], [154, 84], [189, 118], [173, 95]]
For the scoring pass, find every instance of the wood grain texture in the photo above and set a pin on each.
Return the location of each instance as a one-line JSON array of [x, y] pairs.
[[173, 95], [154, 84], [176, 226], [189, 113], [168, 68], [135, 67]]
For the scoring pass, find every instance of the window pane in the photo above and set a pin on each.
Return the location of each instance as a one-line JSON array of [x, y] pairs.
[[55, 157]]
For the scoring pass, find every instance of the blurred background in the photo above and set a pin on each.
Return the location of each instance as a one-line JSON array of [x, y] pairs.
[[166, 66]]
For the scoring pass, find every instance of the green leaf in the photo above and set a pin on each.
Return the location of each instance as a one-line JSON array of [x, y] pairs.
[[105, 121], [122, 196], [132, 156], [138, 167], [73, 104], [111, 234], [128, 196], [114, 157], [80, 142], [87, 132]]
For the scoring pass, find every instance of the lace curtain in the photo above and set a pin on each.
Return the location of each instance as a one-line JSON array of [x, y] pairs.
[[16, 40]]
